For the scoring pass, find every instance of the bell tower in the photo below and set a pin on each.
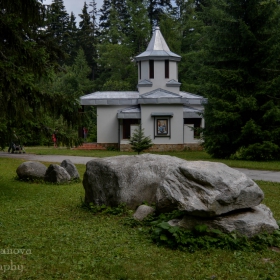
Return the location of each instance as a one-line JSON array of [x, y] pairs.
[[158, 66]]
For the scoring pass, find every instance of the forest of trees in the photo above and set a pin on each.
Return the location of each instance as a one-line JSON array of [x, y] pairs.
[[230, 54]]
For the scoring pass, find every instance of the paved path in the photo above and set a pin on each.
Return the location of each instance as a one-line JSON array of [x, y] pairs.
[[263, 175]]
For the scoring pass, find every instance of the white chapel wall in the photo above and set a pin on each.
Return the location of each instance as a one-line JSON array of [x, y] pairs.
[[177, 123], [144, 70], [107, 124]]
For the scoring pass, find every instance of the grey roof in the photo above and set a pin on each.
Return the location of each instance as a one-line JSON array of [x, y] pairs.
[[158, 49], [190, 95], [190, 112], [193, 98], [162, 114], [157, 96], [130, 113], [111, 94], [159, 93], [110, 98], [173, 83], [145, 83], [161, 96]]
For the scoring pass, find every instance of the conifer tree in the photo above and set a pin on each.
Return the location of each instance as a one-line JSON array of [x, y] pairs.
[[114, 58], [188, 31], [120, 8], [139, 26], [26, 54], [71, 40], [241, 79], [139, 142], [104, 15], [87, 36], [157, 8], [57, 24]]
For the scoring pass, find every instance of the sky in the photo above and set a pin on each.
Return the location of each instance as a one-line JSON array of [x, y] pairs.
[[75, 6]]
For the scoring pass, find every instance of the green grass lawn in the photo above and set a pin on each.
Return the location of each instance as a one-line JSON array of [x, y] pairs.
[[63, 241], [188, 155]]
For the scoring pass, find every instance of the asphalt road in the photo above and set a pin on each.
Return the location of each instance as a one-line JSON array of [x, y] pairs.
[[261, 175]]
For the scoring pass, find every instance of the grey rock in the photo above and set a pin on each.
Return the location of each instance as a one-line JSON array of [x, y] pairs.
[[142, 212], [57, 174], [246, 222], [31, 170], [198, 187], [126, 179], [207, 189], [70, 167]]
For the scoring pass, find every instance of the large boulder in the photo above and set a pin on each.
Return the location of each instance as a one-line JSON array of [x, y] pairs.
[[57, 174], [70, 167], [246, 222], [207, 189], [200, 188], [126, 179], [31, 170]]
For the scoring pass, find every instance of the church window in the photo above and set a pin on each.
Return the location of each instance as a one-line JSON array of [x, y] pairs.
[[151, 64], [167, 69]]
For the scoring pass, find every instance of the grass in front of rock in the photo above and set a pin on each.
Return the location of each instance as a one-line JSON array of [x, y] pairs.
[[64, 241], [187, 155]]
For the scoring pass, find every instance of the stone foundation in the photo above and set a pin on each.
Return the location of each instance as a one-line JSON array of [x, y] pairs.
[[109, 145], [166, 147]]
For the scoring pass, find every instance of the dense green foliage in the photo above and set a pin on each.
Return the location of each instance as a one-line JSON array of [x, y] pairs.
[[241, 77], [24, 58], [203, 238]]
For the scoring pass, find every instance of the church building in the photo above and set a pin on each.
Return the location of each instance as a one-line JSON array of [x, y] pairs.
[[167, 114]]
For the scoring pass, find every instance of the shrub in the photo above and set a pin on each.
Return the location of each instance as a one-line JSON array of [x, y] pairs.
[[258, 151]]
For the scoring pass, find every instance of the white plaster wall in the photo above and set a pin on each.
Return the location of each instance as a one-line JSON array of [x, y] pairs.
[[107, 124], [176, 122], [173, 70], [188, 133], [145, 72]]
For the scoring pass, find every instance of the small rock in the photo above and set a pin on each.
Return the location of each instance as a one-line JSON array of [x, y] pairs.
[[31, 170], [69, 166], [142, 212], [57, 174], [247, 222]]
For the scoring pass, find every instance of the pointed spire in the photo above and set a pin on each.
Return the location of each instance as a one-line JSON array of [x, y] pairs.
[[157, 42], [157, 49]]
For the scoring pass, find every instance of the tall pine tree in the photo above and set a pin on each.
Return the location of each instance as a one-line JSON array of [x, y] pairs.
[[57, 24], [71, 40], [139, 26], [87, 36], [120, 7], [156, 8], [241, 79]]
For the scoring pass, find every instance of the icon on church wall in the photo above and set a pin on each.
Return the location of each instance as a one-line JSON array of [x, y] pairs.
[[162, 126]]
